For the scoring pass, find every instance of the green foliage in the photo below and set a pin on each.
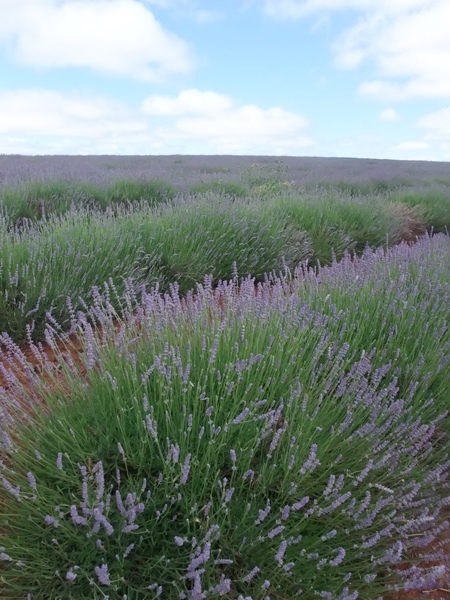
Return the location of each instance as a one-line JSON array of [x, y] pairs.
[[81, 236], [36, 199], [65, 256], [362, 189], [227, 188], [432, 207]]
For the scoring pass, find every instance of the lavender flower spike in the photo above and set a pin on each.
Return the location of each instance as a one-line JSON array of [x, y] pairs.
[[31, 480], [102, 574], [338, 558], [186, 469], [250, 575], [241, 416]]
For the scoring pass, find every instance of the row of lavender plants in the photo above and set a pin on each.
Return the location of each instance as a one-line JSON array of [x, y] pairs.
[[283, 441], [34, 200], [44, 262]]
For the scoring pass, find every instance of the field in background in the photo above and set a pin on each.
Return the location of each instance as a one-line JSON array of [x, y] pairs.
[[71, 223], [243, 385]]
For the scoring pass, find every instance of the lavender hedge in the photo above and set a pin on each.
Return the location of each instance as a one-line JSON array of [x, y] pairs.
[[289, 442], [44, 262]]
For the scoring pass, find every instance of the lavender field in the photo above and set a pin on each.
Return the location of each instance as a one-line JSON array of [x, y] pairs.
[[224, 377]]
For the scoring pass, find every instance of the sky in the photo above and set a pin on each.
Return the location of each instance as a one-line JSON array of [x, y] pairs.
[[346, 78]]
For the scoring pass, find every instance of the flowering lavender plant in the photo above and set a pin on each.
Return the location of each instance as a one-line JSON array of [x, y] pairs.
[[322, 466]]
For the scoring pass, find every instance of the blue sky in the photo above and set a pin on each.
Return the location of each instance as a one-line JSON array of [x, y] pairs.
[[356, 78]]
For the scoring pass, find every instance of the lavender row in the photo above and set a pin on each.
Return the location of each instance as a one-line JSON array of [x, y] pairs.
[[288, 440], [43, 263]]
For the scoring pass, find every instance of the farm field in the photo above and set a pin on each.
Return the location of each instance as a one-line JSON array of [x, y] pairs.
[[224, 377]]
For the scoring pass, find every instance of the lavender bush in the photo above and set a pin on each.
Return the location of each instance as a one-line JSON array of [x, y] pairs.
[[179, 241], [35, 199], [287, 442], [65, 256]]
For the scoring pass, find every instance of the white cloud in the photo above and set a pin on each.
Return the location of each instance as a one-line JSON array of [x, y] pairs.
[[407, 40], [50, 122], [219, 125], [248, 129], [437, 125], [204, 17], [26, 113], [411, 146], [189, 101], [116, 37], [389, 114], [386, 90], [298, 9]]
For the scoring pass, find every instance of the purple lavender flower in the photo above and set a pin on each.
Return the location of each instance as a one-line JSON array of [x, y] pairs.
[[285, 513], [102, 574], [151, 426], [31, 480], [329, 535], [4, 556], [248, 474], [262, 515], [251, 575], [52, 521], [281, 551], [241, 416], [338, 558], [311, 463], [330, 485], [76, 519], [223, 587], [276, 531], [70, 575], [186, 469], [228, 495], [99, 479], [174, 453], [59, 461], [301, 504], [201, 559], [276, 439]]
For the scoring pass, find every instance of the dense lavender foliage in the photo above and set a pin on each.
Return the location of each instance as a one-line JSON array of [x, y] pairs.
[[289, 440], [184, 170]]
